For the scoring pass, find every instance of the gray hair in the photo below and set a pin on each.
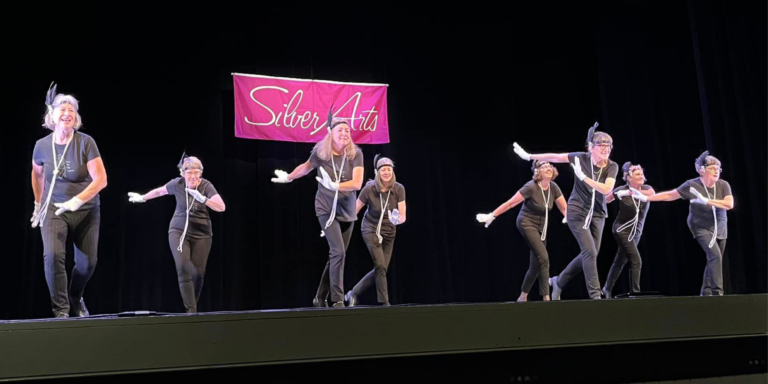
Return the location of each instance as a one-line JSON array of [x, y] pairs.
[[58, 102], [708, 160], [600, 137], [191, 163]]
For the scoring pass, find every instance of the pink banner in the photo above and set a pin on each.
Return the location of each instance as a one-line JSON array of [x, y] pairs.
[[272, 108]]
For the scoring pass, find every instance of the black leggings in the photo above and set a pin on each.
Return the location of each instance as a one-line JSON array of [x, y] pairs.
[[381, 255], [538, 264], [589, 242], [712, 283], [84, 227], [627, 251], [332, 279], [190, 266]]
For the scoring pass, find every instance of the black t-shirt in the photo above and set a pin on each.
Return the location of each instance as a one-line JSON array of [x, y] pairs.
[[73, 177], [345, 206], [532, 212], [700, 215], [627, 210], [199, 219], [581, 196], [374, 200]]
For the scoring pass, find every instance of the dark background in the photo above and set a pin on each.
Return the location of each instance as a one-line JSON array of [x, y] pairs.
[[667, 80]]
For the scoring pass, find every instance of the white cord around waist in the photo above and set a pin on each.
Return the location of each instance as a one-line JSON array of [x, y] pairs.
[[714, 212], [381, 218], [337, 177], [56, 171], [186, 223], [632, 223], [588, 220], [546, 210]]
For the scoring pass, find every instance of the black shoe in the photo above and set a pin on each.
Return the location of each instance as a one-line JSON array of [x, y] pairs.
[[77, 308], [351, 299], [316, 302], [338, 304]]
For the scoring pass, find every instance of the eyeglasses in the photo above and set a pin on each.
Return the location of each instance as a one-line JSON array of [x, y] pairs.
[[604, 146], [193, 173], [714, 169], [545, 167]]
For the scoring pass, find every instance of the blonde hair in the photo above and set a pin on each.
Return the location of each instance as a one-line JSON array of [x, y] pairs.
[[191, 162], [57, 102], [323, 147]]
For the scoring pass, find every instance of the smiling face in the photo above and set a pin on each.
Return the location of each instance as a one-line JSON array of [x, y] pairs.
[[386, 173], [547, 171], [64, 117], [341, 136], [636, 175], [192, 177], [601, 151]]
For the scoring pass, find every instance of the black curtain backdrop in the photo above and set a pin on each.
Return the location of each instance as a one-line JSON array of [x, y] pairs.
[[666, 79]]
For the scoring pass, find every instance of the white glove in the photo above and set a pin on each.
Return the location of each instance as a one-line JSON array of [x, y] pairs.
[[638, 195], [197, 195], [326, 181], [394, 216], [622, 193], [521, 152], [486, 218], [700, 199], [72, 205], [35, 220], [134, 197], [282, 177], [565, 220], [577, 169]]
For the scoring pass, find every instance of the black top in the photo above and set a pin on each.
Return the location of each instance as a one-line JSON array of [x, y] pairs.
[[73, 175], [199, 218], [532, 212], [374, 199], [345, 206], [581, 196], [627, 210], [700, 215]]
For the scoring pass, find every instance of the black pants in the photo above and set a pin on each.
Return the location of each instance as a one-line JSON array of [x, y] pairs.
[[538, 264], [84, 227], [712, 283], [190, 266], [381, 255], [627, 251], [332, 280], [589, 242]]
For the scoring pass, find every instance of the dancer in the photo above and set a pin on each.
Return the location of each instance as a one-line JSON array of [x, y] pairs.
[[384, 198], [334, 202], [538, 197], [710, 197], [190, 233], [67, 176], [628, 226]]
